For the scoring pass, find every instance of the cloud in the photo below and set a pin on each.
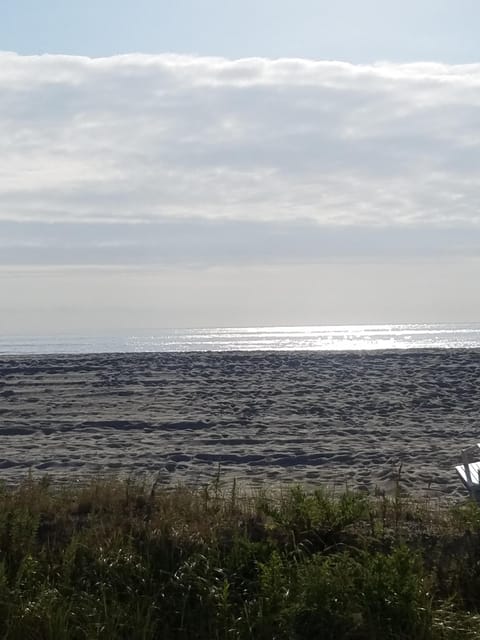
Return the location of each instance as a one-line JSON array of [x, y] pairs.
[[154, 138], [198, 243]]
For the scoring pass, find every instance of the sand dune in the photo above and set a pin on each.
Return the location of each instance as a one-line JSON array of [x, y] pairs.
[[339, 418]]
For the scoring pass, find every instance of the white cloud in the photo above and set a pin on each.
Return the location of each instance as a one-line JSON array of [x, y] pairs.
[[140, 137]]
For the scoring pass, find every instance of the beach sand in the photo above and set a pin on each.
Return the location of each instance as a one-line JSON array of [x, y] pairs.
[[342, 419]]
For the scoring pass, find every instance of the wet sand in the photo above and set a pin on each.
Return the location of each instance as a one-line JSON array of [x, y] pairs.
[[344, 419]]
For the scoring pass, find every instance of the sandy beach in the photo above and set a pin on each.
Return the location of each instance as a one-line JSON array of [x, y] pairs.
[[345, 419]]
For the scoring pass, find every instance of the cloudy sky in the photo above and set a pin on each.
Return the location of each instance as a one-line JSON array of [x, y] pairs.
[[224, 163]]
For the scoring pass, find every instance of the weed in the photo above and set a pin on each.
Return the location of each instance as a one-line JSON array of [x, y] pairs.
[[128, 559]]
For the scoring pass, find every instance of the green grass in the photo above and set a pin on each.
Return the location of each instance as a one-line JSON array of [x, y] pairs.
[[125, 559]]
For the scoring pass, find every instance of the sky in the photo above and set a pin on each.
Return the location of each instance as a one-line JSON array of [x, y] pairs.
[[230, 164]]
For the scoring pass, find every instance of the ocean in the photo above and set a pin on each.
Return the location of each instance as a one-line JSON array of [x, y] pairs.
[[301, 338]]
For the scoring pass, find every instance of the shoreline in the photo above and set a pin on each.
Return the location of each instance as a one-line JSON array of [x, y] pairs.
[[212, 352]]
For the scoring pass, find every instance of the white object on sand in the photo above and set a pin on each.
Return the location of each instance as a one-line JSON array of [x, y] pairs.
[[469, 472]]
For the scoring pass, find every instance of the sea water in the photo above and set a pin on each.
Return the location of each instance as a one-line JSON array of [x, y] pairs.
[[301, 338]]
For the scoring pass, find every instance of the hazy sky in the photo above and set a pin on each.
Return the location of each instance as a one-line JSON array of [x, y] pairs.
[[225, 163], [358, 31]]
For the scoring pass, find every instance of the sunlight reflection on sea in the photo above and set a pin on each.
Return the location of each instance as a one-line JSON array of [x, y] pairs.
[[306, 338]]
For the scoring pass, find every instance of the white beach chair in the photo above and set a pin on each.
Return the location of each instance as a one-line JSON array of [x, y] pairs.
[[469, 472]]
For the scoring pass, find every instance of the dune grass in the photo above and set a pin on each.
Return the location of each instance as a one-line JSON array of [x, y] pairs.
[[128, 559]]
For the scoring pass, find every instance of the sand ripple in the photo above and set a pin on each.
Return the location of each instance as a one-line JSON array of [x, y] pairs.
[[342, 418]]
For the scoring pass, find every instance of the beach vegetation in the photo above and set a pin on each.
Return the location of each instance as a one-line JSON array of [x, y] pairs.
[[130, 559]]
